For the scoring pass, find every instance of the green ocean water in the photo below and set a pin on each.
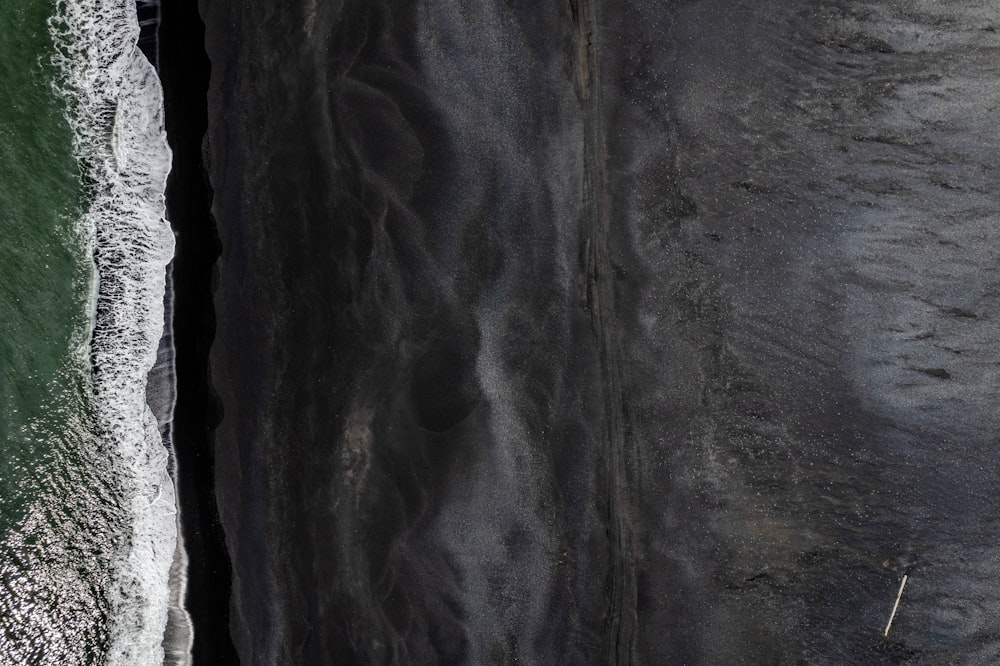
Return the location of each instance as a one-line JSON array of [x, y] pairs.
[[40, 197], [56, 511]]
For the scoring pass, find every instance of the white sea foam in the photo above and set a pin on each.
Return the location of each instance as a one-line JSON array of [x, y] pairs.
[[115, 111], [161, 396]]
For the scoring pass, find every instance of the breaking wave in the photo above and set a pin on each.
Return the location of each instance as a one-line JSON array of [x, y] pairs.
[[115, 111]]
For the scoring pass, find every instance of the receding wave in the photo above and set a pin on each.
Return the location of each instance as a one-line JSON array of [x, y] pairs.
[[115, 111]]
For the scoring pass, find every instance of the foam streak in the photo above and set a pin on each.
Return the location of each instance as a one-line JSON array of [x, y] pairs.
[[115, 111]]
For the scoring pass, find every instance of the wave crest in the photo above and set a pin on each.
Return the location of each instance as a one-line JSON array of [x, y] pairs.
[[115, 109]]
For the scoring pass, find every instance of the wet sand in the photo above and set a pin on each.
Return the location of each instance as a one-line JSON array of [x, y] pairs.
[[606, 333], [184, 71]]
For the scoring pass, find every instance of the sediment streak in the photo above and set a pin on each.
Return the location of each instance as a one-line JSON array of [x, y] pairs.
[[599, 300]]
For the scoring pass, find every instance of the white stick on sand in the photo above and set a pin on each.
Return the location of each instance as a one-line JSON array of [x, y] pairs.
[[895, 607]]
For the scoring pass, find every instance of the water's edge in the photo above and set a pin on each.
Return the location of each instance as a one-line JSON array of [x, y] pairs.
[[115, 111], [184, 71]]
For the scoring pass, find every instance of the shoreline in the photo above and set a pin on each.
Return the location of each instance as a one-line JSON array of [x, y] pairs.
[[184, 73]]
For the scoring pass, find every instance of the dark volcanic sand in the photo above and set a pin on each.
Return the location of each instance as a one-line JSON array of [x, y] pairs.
[[652, 332]]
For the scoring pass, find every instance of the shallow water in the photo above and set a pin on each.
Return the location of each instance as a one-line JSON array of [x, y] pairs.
[[88, 511]]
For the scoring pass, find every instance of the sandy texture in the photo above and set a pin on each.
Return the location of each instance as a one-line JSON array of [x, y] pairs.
[[633, 332]]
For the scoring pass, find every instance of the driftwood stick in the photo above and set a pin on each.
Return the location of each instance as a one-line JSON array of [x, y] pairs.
[[895, 607]]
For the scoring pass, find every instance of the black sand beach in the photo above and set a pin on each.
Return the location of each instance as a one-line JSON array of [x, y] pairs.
[[598, 332]]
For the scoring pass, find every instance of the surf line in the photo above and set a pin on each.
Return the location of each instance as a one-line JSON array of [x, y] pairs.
[[115, 111], [161, 396]]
